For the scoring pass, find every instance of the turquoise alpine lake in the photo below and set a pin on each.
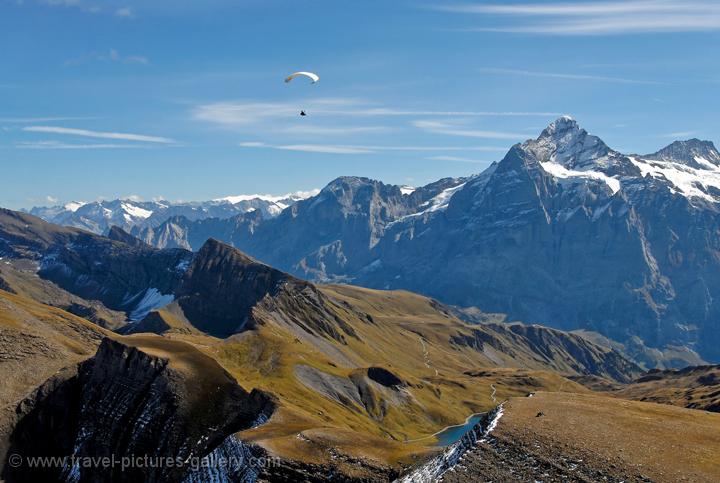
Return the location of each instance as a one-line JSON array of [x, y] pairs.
[[452, 434]]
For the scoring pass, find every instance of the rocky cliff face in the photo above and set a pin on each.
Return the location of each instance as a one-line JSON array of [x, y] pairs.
[[161, 399], [222, 285], [225, 292]]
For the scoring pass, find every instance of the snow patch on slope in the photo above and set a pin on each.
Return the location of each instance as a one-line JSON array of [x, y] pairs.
[[437, 203], [136, 211], [441, 200], [688, 181], [560, 171], [151, 300], [704, 162], [73, 206]]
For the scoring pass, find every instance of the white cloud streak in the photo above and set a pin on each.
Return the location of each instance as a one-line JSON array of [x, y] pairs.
[[679, 134], [98, 134], [556, 75], [364, 149], [125, 12], [330, 131], [596, 18], [238, 114], [28, 120], [456, 159], [448, 129], [574, 8], [59, 145], [112, 55], [324, 148]]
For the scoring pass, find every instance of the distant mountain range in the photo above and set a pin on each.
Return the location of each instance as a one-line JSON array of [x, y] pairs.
[[99, 216], [563, 231]]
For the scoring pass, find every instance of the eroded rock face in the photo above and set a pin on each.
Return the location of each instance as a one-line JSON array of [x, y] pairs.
[[127, 403], [222, 286]]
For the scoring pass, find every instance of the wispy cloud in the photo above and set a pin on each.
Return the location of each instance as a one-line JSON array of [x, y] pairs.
[[456, 159], [82, 5], [61, 145], [124, 12], [61, 3], [364, 149], [595, 18], [112, 55], [679, 134], [324, 148], [237, 114], [330, 131], [566, 76], [99, 134], [30, 120], [91, 6], [310, 148], [451, 129]]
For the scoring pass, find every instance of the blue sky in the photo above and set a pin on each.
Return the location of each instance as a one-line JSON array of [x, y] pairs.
[[185, 99]]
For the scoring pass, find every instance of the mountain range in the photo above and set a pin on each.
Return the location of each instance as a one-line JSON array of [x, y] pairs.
[[99, 216], [563, 231]]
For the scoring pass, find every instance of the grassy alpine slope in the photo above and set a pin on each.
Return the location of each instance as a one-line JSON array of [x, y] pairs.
[[409, 369], [588, 437]]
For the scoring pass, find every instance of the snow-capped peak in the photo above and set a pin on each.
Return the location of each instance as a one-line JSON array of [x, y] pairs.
[[73, 206], [564, 142], [296, 196], [568, 153], [135, 211]]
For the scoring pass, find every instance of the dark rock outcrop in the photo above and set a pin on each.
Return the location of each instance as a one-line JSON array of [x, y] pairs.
[[118, 234], [222, 286], [161, 401]]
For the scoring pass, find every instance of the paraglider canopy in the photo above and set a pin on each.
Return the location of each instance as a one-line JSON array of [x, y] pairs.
[[311, 75]]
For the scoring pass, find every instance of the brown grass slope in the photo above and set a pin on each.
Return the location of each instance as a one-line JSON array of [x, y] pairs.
[[36, 341], [695, 387], [588, 437]]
